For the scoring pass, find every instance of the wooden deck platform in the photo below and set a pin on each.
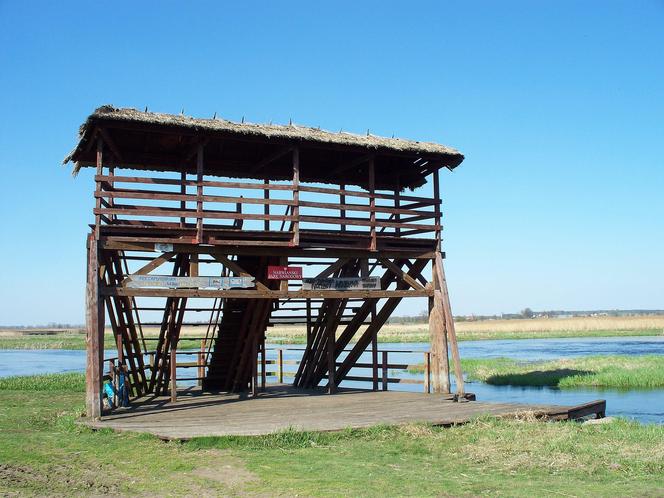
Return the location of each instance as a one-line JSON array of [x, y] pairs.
[[281, 406]]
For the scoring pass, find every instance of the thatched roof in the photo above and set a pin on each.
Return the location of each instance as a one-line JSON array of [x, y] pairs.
[[393, 153]]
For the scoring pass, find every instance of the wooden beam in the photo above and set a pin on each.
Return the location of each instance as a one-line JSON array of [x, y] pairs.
[[155, 263], [443, 295], [94, 315], [401, 274], [337, 265]]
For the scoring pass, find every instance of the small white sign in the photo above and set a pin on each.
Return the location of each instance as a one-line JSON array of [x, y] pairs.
[[134, 281], [371, 283], [163, 247]]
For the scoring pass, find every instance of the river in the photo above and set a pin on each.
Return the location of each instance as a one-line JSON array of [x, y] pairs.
[[645, 405]]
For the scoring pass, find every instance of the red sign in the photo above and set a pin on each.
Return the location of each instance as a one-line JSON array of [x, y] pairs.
[[284, 272]]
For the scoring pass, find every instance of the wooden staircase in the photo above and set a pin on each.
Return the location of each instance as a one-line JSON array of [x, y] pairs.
[[240, 335]]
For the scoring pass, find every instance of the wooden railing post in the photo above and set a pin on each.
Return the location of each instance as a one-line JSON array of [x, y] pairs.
[[173, 365], [201, 362], [183, 191], [427, 372], [384, 370], [372, 203], [296, 197], [199, 194], [263, 365], [342, 211], [266, 206], [397, 205], [280, 366]]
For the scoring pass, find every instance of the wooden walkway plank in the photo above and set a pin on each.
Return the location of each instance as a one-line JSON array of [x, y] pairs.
[[281, 407]]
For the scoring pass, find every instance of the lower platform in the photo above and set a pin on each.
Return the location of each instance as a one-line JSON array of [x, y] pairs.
[[280, 407]]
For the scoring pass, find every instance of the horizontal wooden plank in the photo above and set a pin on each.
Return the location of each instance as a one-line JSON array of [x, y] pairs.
[[146, 244], [332, 220], [128, 210], [191, 183], [257, 294], [174, 196], [367, 195], [363, 208]]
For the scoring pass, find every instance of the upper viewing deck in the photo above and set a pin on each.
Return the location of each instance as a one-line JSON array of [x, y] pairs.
[[174, 179]]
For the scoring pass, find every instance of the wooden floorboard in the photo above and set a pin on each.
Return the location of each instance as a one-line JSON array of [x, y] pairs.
[[282, 407]]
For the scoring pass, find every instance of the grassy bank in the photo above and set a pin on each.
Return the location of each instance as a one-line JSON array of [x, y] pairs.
[[621, 372], [42, 451], [615, 371], [393, 332]]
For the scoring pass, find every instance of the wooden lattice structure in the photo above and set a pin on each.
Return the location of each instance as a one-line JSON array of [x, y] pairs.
[[195, 199]]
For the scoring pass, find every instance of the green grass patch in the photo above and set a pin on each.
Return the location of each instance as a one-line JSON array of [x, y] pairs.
[[620, 372], [72, 382], [43, 451]]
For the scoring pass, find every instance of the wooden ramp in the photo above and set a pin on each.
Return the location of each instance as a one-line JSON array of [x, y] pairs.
[[281, 407]]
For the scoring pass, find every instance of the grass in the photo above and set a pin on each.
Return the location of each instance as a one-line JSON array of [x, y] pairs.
[[613, 371], [44, 452], [394, 332], [620, 372]]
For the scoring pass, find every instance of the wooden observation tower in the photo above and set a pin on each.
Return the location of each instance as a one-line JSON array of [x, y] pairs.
[[204, 220]]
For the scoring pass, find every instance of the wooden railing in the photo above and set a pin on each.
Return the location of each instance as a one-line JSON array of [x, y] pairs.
[[197, 209], [384, 372]]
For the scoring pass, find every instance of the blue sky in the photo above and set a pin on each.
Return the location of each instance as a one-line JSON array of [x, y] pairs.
[[558, 107]]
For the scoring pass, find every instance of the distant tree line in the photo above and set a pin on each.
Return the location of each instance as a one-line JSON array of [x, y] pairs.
[[527, 313]]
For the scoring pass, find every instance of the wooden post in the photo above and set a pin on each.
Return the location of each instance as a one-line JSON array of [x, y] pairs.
[[440, 369], [263, 365], [193, 265], [280, 366], [449, 324], [266, 206], [374, 362], [308, 323], [374, 346], [331, 366], [384, 369], [199, 194], [427, 372], [397, 205], [183, 191], [173, 365], [296, 197], [372, 203], [342, 211], [254, 376], [94, 315], [201, 362]]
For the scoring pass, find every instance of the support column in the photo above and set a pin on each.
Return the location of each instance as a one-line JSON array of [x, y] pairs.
[[94, 318], [448, 319]]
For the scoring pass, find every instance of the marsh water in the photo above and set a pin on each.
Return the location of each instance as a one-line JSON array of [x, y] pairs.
[[645, 405]]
